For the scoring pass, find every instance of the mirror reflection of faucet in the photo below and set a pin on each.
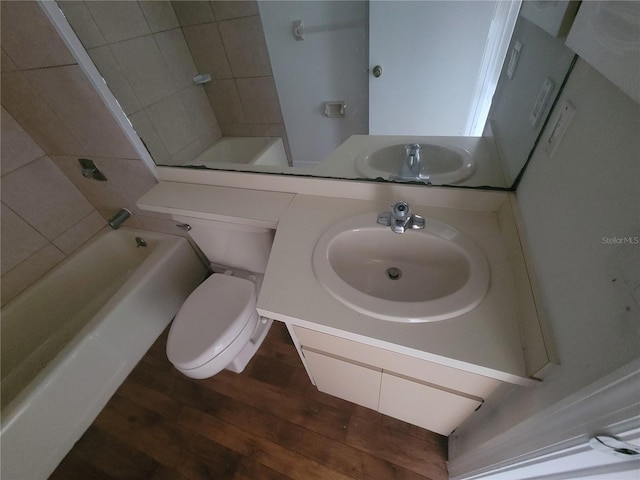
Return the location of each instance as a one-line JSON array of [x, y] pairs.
[[412, 161], [412, 165]]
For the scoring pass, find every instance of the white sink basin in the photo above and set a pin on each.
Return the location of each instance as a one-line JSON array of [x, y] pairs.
[[418, 276], [442, 164]]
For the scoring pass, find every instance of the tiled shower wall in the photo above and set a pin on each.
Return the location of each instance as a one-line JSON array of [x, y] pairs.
[[51, 116], [227, 41], [44, 216], [149, 52], [141, 52]]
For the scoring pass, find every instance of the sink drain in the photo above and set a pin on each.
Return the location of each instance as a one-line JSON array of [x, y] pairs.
[[393, 273]]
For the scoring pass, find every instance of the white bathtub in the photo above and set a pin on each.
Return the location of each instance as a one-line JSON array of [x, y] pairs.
[[70, 340], [233, 151]]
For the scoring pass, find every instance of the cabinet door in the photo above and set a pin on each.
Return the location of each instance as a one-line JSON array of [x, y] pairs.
[[440, 411], [353, 382]]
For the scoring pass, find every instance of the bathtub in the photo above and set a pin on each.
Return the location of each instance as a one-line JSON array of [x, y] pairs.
[[229, 152], [71, 339]]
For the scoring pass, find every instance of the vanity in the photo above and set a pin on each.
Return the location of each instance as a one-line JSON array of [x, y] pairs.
[[433, 374]]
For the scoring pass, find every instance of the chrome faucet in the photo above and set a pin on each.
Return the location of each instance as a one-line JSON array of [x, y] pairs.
[[400, 218], [412, 161]]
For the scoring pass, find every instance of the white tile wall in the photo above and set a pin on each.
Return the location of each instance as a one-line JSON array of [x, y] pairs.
[[224, 10], [51, 116], [141, 51], [83, 23], [18, 148], [44, 197], [116, 78], [118, 20], [207, 49], [44, 216], [172, 122], [160, 15], [246, 49], [77, 105], [19, 240], [144, 128], [19, 42], [177, 57], [29, 109], [144, 66], [193, 12], [155, 50]]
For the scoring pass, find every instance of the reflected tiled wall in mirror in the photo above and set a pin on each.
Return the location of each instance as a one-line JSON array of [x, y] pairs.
[[150, 51]]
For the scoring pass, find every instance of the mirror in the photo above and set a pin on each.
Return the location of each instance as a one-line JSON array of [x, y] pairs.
[[192, 74]]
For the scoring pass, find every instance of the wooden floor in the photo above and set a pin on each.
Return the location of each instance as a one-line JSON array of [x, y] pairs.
[[267, 423]]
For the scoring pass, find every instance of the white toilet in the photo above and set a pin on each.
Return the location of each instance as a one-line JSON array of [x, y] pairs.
[[218, 326]]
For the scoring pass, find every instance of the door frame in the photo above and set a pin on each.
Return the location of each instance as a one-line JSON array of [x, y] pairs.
[[610, 405], [502, 26]]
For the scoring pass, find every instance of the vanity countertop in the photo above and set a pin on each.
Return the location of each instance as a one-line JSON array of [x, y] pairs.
[[485, 341]]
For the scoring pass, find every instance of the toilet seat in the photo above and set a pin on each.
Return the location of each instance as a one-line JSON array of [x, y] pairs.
[[213, 316]]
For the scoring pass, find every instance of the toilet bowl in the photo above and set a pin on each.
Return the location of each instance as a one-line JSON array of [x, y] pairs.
[[218, 326]]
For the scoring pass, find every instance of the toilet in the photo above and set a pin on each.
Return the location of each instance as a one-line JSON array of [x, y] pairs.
[[218, 326]]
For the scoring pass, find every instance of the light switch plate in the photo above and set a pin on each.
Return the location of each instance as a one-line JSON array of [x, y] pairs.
[[514, 58], [541, 102], [567, 111]]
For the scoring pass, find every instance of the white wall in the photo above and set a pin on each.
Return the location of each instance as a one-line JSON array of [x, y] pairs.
[[574, 206], [543, 56], [325, 66]]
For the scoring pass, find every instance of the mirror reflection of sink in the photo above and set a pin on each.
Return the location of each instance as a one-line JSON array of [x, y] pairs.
[[417, 276], [441, 164]]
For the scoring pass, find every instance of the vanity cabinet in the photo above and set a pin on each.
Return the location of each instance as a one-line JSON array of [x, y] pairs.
[[428, 406], [351, 381], [423, 393]]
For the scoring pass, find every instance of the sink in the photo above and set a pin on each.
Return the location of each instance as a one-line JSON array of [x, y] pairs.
[[423, 275], [441, 163]]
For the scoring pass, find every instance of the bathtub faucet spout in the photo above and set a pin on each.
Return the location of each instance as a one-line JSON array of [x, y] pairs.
[[119, 218]]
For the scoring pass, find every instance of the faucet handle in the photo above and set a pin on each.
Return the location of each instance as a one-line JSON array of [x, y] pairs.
[[384, 219], [417, 222], [400, 211]]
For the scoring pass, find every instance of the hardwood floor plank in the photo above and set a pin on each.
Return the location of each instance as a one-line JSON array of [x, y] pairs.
[[249, 469], [334, 454], [270, 426], [166, 442], [262, 451], [164, 473], [422, 457], [73, 466], [151, 399], [268, 423]]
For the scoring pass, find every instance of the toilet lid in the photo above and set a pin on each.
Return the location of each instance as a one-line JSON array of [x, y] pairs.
[[210, 319]]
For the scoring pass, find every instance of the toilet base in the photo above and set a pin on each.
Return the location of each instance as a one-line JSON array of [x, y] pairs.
[[239, 363]]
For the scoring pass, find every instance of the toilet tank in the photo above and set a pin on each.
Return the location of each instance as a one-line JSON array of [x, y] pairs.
[[230, 244]]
